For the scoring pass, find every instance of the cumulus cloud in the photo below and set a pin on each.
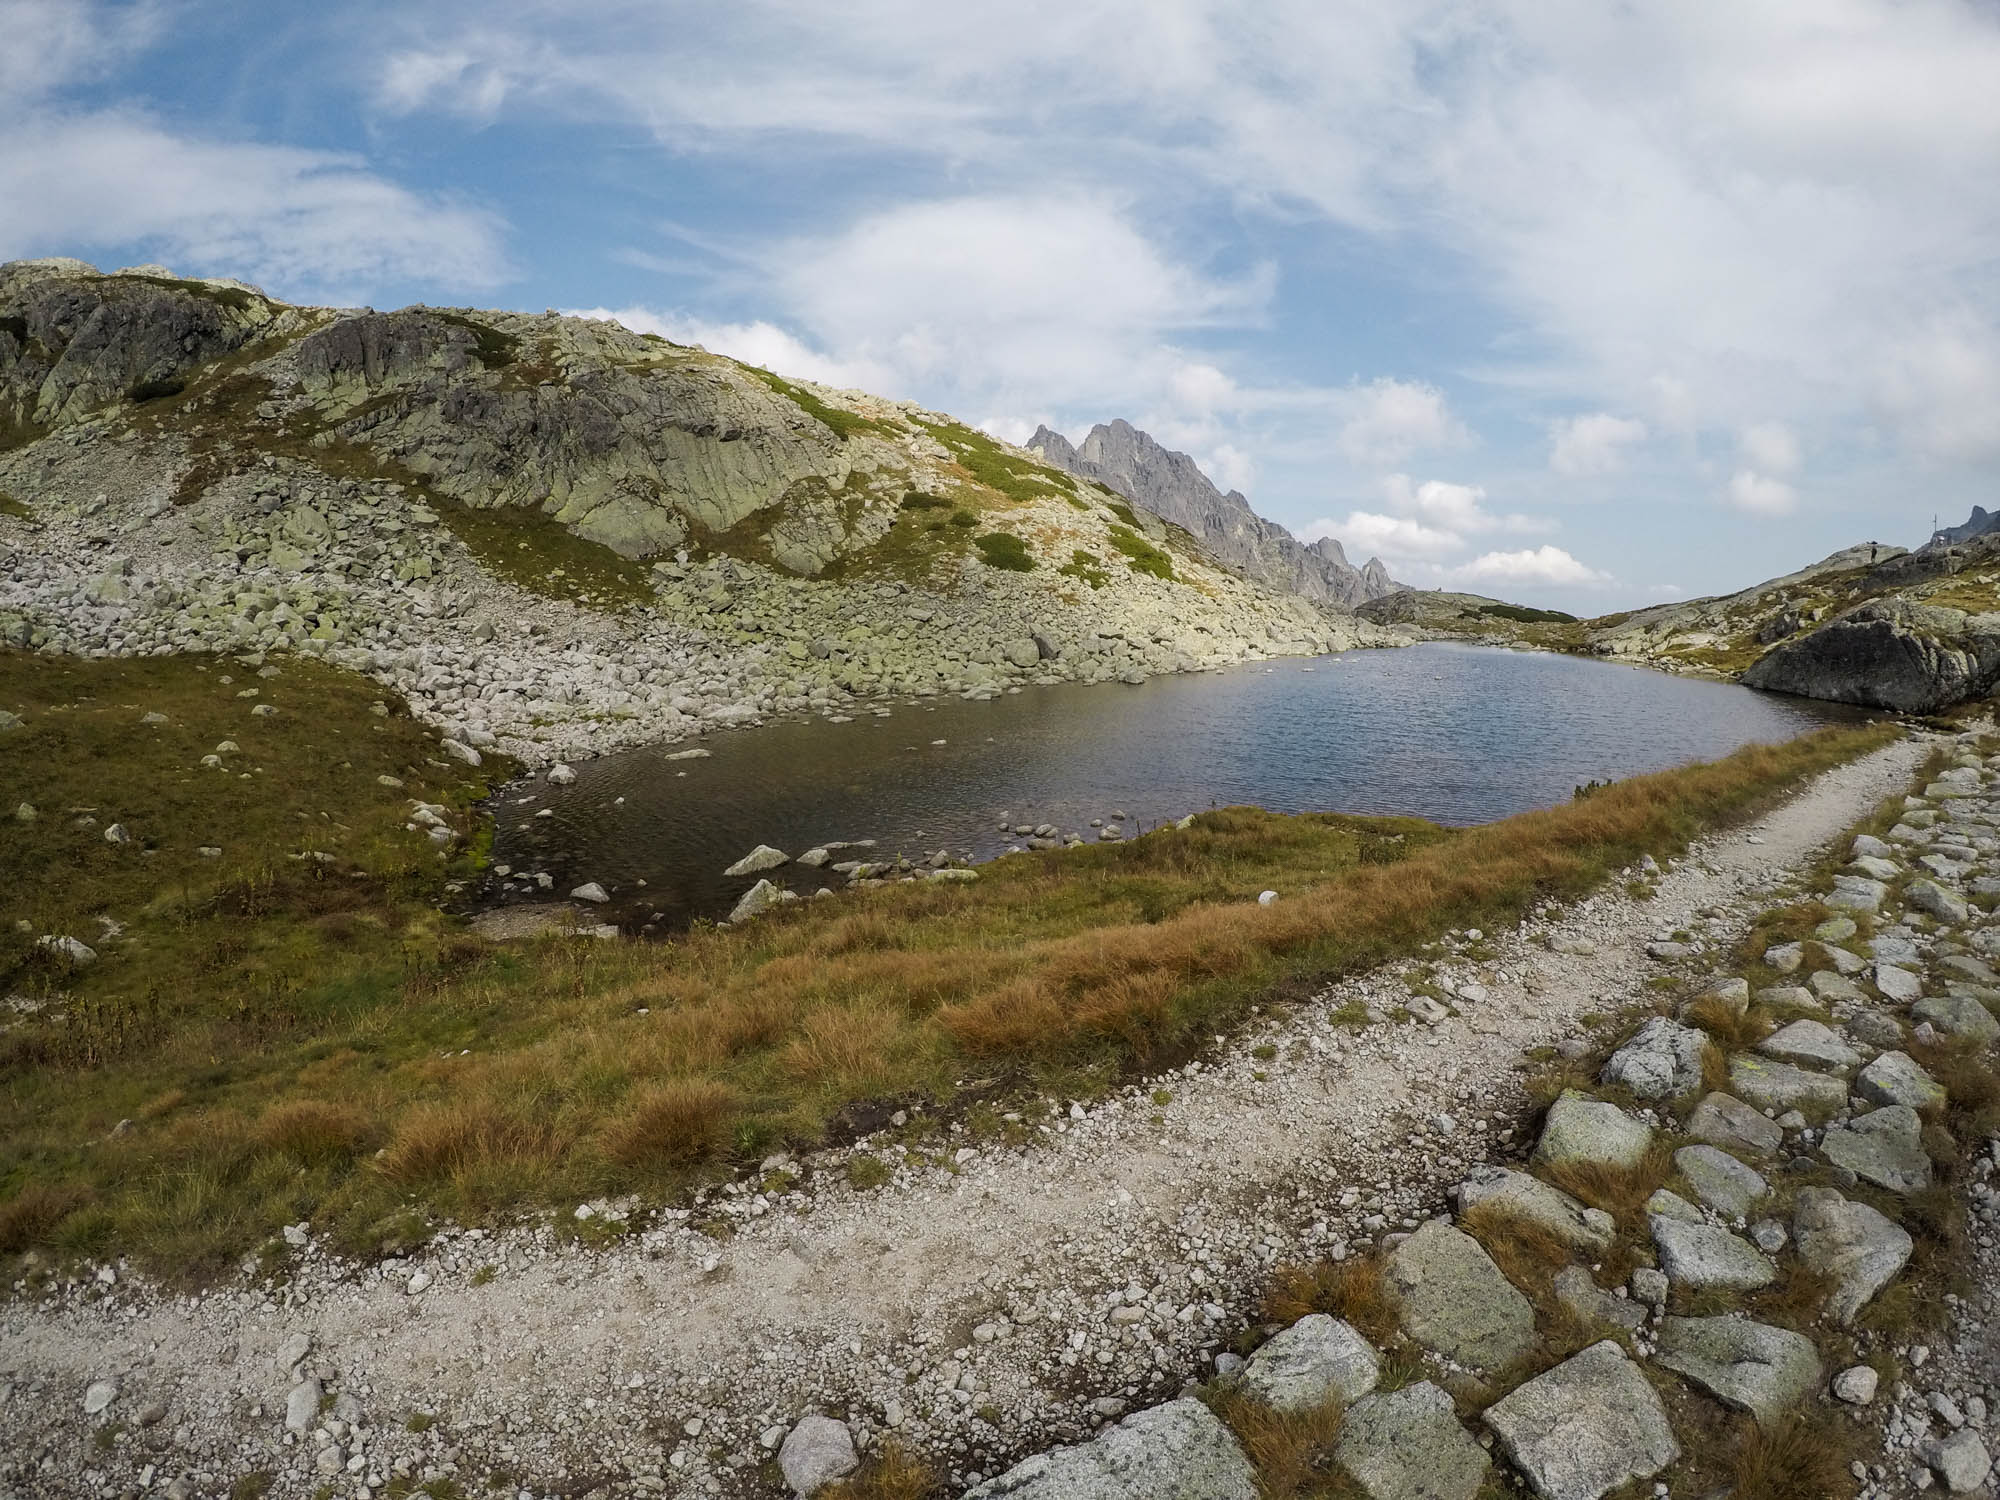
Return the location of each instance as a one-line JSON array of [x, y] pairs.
[[1940, 388], [1391, 537], [1545, 567], [1456, 507], [1386, 421], [1770, 447], [1593, 444], [1760, 494]]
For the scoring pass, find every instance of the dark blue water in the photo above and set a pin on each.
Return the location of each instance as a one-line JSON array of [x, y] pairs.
[[1458, 734]]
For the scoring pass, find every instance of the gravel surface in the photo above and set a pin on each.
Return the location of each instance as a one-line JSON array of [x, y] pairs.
[[993, 1298]]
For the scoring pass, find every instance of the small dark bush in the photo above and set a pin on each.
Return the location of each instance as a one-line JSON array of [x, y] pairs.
[[1000, 549]]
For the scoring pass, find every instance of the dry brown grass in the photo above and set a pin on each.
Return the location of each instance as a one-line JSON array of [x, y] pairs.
[[677, 1124], [312, 1132], [1355, 1290], [1727, 1027], [1799, 1460], [1526, 1253], [1289, 1450], [31, 1216], [891, 1472], [1620, 1191]]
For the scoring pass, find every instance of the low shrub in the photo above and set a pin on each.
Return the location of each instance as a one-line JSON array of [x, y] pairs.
[[1002, 549]]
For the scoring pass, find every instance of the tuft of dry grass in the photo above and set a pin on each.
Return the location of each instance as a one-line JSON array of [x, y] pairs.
[[1798, 1460], [30, 1218], [1620, 1191], [891, 1472], [312, 1132], [1355, 1290], [677, 1124], [1727, 1028], [1526, 1253], [1289, 1450]]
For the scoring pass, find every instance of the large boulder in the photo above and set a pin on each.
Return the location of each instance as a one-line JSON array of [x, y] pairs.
[[1888, 653], [1721, 1181], [1885, 1147], [1959, 1016], [1753, 1367], [1704, 1257], [1896, 1078], [1661, 1061], [1455, 1300], [1179, 1451], [1583, 1131], [1495, 1190], [1859, 1249], [1726, 1121], [816, 1452], [1408, 1444], [1586, 1427], [1315, 1360], [1775, 1085], [1812, 1044]]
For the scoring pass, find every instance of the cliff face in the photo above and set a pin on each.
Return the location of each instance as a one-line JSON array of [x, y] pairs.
[[555, 531], [1172, 486]]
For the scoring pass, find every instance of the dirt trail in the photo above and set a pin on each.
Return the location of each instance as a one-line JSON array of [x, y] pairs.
[[981, 1308]]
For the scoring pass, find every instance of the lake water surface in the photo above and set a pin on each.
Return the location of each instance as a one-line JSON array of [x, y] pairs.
[[1458, 734]]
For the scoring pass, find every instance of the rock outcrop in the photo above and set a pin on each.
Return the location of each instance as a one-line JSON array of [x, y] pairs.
[[1888, 653], [1172, 486]]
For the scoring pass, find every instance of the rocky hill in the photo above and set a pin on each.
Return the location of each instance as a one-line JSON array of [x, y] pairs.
[[1173, 487], [1912, 631], [556, 533]]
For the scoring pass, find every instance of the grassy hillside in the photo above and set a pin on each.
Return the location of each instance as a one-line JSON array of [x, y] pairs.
[[275, 1036]]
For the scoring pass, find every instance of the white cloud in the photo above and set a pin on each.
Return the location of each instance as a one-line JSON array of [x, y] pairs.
[[1392, 537], [1592, 444], [756, 343], [1770, 447], [1545, 566], [1941, 389], [1385, 421], [1455, 507], [1760, 494]]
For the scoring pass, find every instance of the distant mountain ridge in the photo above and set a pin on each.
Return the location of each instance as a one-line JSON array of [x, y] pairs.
[[1172, 486]]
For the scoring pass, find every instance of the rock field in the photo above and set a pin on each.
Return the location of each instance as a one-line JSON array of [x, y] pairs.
[[1072, 1280]]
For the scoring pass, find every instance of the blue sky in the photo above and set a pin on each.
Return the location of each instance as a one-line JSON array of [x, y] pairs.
[[1578, 304]]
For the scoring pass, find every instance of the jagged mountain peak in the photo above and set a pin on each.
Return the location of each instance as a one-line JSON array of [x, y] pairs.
[[1172, 485]]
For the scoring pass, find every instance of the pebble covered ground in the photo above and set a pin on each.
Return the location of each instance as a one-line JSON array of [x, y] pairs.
[[997, 1294]]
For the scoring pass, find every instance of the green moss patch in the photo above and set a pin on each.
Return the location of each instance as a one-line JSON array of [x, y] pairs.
[[1141, 555], [845, 424], [1002, 549]]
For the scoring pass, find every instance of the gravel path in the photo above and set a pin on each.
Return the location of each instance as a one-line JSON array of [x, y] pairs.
[[991, 1299]]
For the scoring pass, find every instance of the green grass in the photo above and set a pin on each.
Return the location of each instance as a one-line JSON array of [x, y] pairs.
[[533, 549], [845, 424], [290, 1039], [496, 350], [228, 296], [1521, 614], [9, 506], [1141, 555], [1087, 566], [1002, 549], [1019, 479]]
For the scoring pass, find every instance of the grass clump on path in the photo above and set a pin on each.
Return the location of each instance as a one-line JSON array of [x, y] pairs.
[[348, 1057]]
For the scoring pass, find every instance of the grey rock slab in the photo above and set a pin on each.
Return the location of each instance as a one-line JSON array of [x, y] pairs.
[[1733, 993], [98, 1395], [1810, 1042], [1830, 988], [754, 902], [1856, 893], [1856, 1385], [1884, 1147], [1929, 896], [1957, 1015], [1768, 1084], [1408, 1444], [1873, 1028], [1672, 1205], [1964, 966], [1858, 1248], [1452, 1298], [1179, 1451], [1753, 1367], [1842, 962], [1500, 1190], [1721, 1181], [1661, 1061], [1704, 1257], [763, 857], [590, 891], [302, 1405], [817, 1451], [1586, 1427], [1785, 958], [1576, 1290], [1897, 984], [1875, 867], [1960, 1460], [1318, 1357], [1726, 1121], [1789, 997], [1866, 845], [1897, 1078], [1588, 1131]]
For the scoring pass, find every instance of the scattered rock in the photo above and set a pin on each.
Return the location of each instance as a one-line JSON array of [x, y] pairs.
[[1576, 1290], [1408, 1444], [1775, 1085], [98, 1395], [1517, 1195], [1316, 1358], [1959, 1016], [590, 891], [1960, 1460], [1587, 1426], [754, 902], [1884, 1147], [1721, 1181], [1585, 1131], [1753, 1367], [1856, 1385], [1811, 1043], [1179, 1451], [1726, 1121], [1454, 1299], [1929, 896], [1895, 1078], [817, 1451], [1703, 1257], [1858, 1249], [763, 857], [1661, 1061]]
